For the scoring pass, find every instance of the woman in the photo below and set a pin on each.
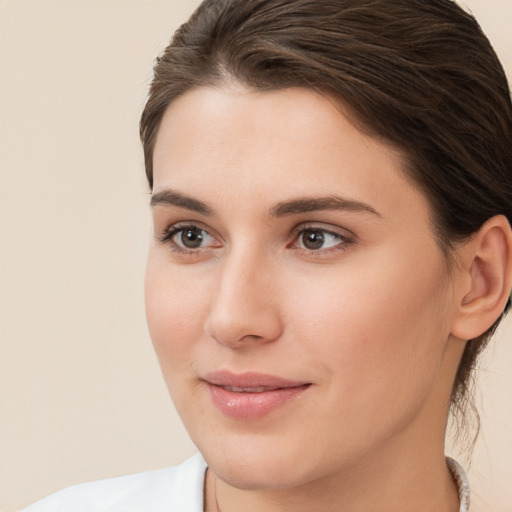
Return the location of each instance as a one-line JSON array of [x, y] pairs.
[[331, 195]]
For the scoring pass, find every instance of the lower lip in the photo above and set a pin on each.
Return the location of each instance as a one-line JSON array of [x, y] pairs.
[[252, 406]]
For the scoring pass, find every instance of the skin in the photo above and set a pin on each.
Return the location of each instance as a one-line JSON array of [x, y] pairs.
[[366, 318]]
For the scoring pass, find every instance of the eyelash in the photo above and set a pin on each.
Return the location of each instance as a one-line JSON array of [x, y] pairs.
[[344, 241], [172, 231]]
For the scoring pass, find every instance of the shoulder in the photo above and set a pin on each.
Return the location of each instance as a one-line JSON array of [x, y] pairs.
[[174, 489]]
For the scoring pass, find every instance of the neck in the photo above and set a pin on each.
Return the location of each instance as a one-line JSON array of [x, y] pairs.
[[408, 473], [422, 484]]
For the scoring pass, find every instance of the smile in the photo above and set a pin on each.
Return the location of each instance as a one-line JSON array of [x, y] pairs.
[[251, 396], [260, 389]]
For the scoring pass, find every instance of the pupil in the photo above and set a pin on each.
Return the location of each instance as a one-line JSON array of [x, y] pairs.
[[313, 239], [192, 238]]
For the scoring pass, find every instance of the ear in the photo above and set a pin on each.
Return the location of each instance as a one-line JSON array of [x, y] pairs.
[[484, 278]]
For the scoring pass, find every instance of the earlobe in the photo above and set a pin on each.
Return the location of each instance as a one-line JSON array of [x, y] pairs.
[[484, 280]]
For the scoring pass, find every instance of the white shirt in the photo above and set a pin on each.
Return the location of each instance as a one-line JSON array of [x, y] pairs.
[[175, 489]]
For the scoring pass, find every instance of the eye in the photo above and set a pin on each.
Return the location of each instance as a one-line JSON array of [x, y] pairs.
[[191, 238], [188, 238], [316, 239]]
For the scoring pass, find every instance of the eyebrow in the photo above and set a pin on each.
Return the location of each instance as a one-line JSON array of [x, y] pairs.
[[282, 209], [173, 198], [311, 204]]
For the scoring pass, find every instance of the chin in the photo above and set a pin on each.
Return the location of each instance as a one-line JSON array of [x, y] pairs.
[[262, 466], [250, 475]]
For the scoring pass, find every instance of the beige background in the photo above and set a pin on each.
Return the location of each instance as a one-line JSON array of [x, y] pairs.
[[81, 395]]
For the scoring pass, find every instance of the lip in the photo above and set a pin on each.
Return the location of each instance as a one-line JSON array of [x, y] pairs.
[[250, 395]]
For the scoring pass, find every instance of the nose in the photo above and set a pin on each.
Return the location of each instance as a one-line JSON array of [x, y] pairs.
[[244, 309]]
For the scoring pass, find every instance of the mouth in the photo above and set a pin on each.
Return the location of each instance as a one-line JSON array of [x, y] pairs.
[[252, 396], [260, 389]]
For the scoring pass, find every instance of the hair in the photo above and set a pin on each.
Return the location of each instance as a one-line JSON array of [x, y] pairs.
[[418, 74]]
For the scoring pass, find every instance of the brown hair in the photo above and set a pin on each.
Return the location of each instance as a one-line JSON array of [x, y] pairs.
[[419, 74]]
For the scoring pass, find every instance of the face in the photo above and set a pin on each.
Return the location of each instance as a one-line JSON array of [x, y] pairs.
[[296, 296]]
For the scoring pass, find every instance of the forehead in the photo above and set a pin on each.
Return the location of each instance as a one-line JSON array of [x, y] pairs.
[[265, 145]]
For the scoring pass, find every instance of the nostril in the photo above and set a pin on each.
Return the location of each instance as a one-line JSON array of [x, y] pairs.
[[240, 311], [238, 331]]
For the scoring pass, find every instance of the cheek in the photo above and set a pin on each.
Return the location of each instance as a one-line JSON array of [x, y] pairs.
[[374, 326], [176, 308]]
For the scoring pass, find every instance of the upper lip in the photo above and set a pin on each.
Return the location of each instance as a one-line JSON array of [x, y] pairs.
[[250, 380]]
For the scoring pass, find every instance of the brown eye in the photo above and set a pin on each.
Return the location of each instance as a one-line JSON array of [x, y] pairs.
[[320, 240], [191, 238], [313, 239]]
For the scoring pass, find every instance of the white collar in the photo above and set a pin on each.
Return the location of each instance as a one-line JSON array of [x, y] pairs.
[[461, 480]]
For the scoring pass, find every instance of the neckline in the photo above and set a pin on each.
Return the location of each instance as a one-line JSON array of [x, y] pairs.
[[461, 480], [456, 470]]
